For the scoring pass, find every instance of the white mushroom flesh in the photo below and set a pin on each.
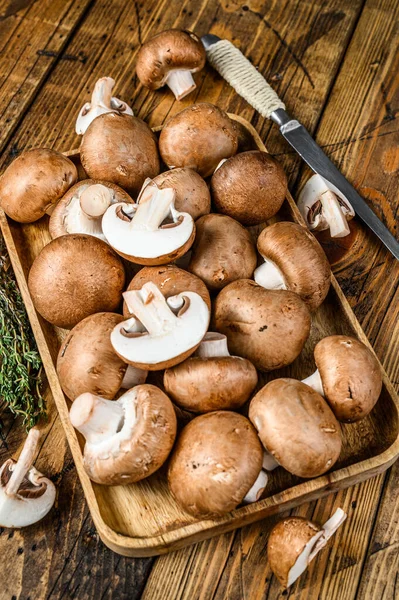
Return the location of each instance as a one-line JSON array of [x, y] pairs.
[[269, 463], [269, 276], [213, 345], [133, 376], [102, 102], [84, 212], [314, 381], [257, 489], [181, 83]]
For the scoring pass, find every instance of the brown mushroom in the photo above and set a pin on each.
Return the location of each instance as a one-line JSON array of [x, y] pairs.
[[170, 280], [223, 251], [348, 376], [73, 277], [211, 379], [295, 261], [250, 187], [198, 137], [216, 461], [121, 149], [87, 361], [34, 182], [269, 327], [169, 58], [297, 427], [191, 192]]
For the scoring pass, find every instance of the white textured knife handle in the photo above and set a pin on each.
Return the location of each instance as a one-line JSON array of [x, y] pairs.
[[232, 65]]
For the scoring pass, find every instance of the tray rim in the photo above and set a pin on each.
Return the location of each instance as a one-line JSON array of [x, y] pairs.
[[202, 529]]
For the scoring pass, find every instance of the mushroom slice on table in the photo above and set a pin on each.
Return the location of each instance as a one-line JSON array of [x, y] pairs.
[[126, 439], [81, 209], [223, 251], [322, 208], [26, 495], [101, 102], [348, 376], [151, 232], [294, 542], [171, 281], [297, 427], [121, 149], [34, 182], [191, 191], [295, 261], [269, 327], [216, 465], [87, 361], [75, 276], [170, 58], [249, 187], [198, 137], [163, 332], [211, 379]]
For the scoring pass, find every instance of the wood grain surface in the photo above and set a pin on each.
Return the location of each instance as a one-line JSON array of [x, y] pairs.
[[334, 63]]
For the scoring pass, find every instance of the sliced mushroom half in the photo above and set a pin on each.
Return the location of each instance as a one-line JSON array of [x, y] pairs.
[[101, 102]]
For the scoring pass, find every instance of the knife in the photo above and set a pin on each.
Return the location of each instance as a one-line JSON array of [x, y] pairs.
[[253, 87]]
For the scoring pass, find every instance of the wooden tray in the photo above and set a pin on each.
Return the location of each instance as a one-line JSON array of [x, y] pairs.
[[143, 519]]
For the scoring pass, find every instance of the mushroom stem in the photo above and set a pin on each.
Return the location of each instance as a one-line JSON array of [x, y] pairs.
[[133, 376], [150, 307], [94, 200], [154, 205], [269, 276], [314, 381], [333, 214], [96, 418], [220, 164], [181, 83], [24, 462], [269, 462], [257, 489], [102, 92], [213, 345], [329, 528]]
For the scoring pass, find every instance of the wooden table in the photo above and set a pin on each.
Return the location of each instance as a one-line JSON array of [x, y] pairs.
[[336, 64]]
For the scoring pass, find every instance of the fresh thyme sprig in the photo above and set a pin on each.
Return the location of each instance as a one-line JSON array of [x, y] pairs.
[[20, 363]]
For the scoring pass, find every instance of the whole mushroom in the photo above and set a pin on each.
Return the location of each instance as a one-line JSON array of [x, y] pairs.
[[34, 182], [73, 277], [126, 439], [222, 252], [249, 187], [170, 58], [121, 149], [198, 137], [268, 327], [191, 191], [295, 261], [348, 376], [297, 427], [216, 465], [211, 379], [87, 361]]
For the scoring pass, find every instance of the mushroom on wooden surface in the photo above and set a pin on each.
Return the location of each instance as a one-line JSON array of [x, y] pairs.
[[169, 58], [223, 251], [295, 261], [211, 379], [191, 191], [269, 327], [34, 182], [73, 277], [126, 439], [348, 376], [216, 465], [249, 187], [198, 137], [87, 361], [101, 102]]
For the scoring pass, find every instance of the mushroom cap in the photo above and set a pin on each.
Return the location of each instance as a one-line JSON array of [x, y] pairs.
[[170, 50], [34, 182], [300, 259], [121, 149], [192, 193], [87, 361], [143, 443], [216, 460], [296, 425], [269, 327], [351, 376], [250, 187], [60, 223], [287, 541], [223, 251], [198, 137], [170, 280], [73, 277]]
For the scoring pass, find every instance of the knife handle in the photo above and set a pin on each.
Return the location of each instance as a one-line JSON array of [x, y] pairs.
[[243, 77]]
